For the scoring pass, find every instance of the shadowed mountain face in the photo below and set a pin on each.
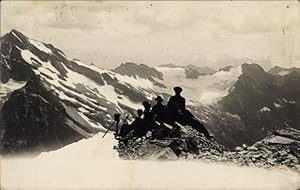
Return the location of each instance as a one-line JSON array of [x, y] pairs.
[[264, 102], [34, 120]]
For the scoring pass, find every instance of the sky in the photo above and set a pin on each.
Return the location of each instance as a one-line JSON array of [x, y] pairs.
[[203, 33]]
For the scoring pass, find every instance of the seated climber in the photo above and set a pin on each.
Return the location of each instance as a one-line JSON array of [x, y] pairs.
[[148, 114], [138, 124], [149, 117], [160, 110], [117, 121], [124, 130]]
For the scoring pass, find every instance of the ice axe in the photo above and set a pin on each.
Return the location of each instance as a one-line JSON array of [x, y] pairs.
[[117, 119]]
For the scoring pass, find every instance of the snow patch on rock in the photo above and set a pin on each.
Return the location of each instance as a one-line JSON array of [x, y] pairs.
[[40, 46], [264, 109], [277, 105]]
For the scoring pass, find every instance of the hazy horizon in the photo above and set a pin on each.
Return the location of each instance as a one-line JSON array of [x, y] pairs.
[[213, 34]]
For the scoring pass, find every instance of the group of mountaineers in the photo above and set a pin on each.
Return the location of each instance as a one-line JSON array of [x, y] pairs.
[[159, 122]]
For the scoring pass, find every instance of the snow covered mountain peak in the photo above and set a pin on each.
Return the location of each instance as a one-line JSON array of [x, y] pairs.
[[83, 97]]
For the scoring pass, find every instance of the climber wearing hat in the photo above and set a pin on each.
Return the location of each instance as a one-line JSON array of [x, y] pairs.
[[160, 110]]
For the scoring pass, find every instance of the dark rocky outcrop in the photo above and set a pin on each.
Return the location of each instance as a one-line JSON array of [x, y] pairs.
[[281, 148], [191, 142]]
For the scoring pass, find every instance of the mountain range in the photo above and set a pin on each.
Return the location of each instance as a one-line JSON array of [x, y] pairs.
[[48, 100]]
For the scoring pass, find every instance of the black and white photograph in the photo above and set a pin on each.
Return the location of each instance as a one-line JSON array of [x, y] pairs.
[[154, 95]]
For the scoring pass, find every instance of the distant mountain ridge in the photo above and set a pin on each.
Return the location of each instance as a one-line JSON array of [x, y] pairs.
[[171, 65], [140, 70], [193, 72], [283, 71], [227, 68]]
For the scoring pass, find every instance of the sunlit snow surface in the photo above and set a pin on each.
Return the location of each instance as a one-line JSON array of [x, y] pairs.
[[93, 164], [104, 94], [40, 46]]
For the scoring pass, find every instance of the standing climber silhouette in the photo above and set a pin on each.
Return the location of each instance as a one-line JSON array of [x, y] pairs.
[[160, 110]]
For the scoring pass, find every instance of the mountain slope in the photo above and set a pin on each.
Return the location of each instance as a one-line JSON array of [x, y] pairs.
[[264, 102], [84, 98]]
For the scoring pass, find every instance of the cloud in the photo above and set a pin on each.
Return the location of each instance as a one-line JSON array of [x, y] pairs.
[[158, 32], [235, 17]]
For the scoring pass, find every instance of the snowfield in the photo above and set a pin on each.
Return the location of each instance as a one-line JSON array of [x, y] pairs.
[[206, 89], [93, 164]]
